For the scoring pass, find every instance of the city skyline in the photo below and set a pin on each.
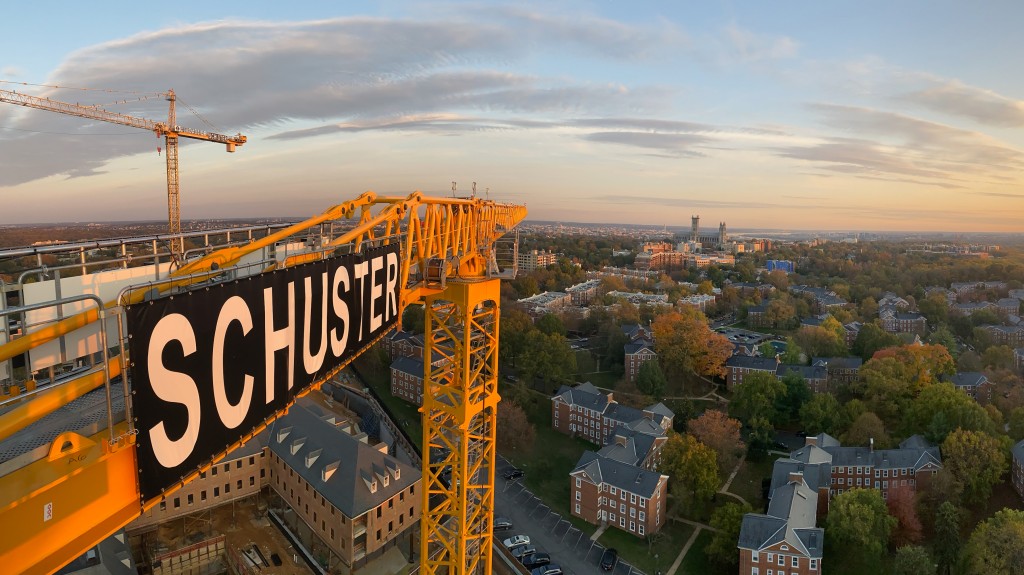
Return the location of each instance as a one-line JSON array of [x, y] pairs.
[[875, 118]]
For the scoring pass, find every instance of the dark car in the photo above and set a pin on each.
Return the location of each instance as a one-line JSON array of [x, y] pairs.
[[522, 551], [609, 559], [502, 523], [275, 559], [513, 473], [552, 569], [531, 562]]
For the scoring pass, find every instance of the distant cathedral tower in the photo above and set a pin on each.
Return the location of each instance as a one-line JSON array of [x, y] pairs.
[[694, 228], [723, 237]]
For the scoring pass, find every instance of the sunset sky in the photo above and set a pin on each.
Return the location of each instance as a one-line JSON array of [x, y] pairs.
[[813, 115]]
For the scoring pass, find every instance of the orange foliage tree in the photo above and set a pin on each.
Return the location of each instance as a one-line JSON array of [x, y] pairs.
[[684, 343]]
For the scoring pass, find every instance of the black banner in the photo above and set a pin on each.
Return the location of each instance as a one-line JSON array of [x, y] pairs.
[[210, 365]]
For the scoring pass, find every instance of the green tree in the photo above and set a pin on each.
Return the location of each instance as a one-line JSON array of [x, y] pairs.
[[727, 519], [550, 324], [413, 318], [913, 560], [793, 355], [822, 413], [512, 332], [650, 379], [942, 408], [766, 349], [548, 357], [859, 523], [1017, 424], [797, 394], [946, 339], [762, 433], [976, 460], [866, 428], [872, 338], [997, 545], [757, 396], [692, 466], [998, 357], [948, 518]]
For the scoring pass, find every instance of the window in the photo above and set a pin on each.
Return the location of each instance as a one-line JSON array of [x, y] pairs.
[[611, 517], [163, 506], [227, 488], [613, 490], [391, 526], [191, 499], [755, 556], [378, 535], [213, 471], [216, 491], [885, 473], [577, 496], [227, 467], [622, 522], [814, 564], [202, 495], [769, 572], [771, 558], [623, 494], [177, 502], [622, 508], [632, 525], [577, 508], [641, 531], [753, 571], [632, 512], [642, 516], [238, 484], [632, 498], [795, 562], [238, 464], [579, 482], [643, 502], [252, 460], [782, 560], [252, 480]]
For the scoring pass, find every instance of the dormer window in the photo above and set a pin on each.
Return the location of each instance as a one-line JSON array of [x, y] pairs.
[[297, 445], [312, 456]]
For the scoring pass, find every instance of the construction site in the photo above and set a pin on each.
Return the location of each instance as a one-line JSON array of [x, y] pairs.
[[179, 403]]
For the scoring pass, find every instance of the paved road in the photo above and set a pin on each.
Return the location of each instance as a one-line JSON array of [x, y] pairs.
[[548, 531]]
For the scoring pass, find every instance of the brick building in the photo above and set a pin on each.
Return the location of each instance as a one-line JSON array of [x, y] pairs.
[[604, 491], [785, 539], [757, 315], [638, 353], [536, 260], [583, 293], [1010, 335], [840, 370], [1017, 467], [407, 377], [583, 411], [974, 384], [740, 366], [816, 376]]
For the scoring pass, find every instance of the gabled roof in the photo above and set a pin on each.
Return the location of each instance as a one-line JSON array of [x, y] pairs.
[[628, 445], [916, 441], [968, 379], [639, 345], [838, 362], [824, 440], [622, 413], [811, 455], [660, 409], [409, 365], [599, 469], [791, 517], [1018, 452], [336, 464], [808, 372], [815, 475], [885, 458], [585, 395]]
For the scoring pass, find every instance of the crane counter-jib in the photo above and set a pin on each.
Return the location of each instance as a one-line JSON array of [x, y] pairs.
[[372, 269]]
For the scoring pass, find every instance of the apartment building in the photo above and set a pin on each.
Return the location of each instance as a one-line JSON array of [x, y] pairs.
[[638, 443], [407, 376], [1011, 335], [974, 384], [739, 366], [604, 491], [839, 370], [354, 498], [584, 411], [638, 353], [816, 376], [534, 260], [785, 539], [583, 293]]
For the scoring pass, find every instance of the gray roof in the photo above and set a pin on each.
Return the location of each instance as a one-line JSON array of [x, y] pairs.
[[409, 365], [814, 320], [748, 362], [636, 346], [585, 395], [112, 556], [838, 362], [815, 475], [811, 454], [916, 441], [660, 409], [909, 316], [1018, 452], [885, 458], [305, 433], [808, 372], [633, 330], [791, 518], [628, 446], [599, 469], [968, 379], [622, 413], [759, 308], [825, 440]]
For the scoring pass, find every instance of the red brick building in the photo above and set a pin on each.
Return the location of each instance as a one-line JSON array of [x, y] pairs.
[[638, 353], [609, 492], [584, 411], [739, 366]]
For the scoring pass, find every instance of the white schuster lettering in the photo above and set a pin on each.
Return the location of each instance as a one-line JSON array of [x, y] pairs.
[[312, 363], [230, 415], [173, 387], [278, 339], [360, 273], [341, 310], [376, 290], [392, 307]]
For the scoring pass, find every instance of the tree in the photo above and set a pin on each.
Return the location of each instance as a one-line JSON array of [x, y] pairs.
[[692, 466], [721, 433], [946, 339], [872, 338], [650, 379], [514, 327], [913, 560], [780, 313], [793, 354], [685, 343], [766, 349], [922, 363], [942, 408], [976, 460], [866, 428], [762, 433], [1017, 424], [515, 433], [997, 545], [797, 394], [779, 279], [859, 522], [908, 524], [550, 324], [548, 357], [413, 318], [822, 413], [947, 536], [757, 396], [998, 357], [727, 519]]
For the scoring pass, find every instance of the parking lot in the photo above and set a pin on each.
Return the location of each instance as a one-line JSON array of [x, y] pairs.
[[548, 531]]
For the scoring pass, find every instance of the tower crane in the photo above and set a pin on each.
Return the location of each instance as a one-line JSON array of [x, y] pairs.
[[83, 484], [170, 131]]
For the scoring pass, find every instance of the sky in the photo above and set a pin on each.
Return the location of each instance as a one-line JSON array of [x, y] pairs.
[[874, 115]]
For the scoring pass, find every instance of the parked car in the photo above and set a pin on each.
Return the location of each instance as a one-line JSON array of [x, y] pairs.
[[502, 523], [513, 473], [552, 569], [516, 540], [609, 559], [522, 551], [536, 560]]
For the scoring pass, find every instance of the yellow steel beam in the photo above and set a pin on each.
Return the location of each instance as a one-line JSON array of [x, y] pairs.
[[459, 413]]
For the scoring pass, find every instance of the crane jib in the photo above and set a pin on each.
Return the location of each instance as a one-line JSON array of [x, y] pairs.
[[209, 366]]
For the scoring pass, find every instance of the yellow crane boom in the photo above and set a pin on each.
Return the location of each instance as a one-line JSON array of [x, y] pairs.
[[169, 130], [88, 486]]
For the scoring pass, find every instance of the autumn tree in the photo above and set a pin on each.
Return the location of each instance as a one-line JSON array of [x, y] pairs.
[[721, 433], [912, 560], [997, 545], [942, 408], [859, 522], [866, 428], [515, 433], [685, 343], [975, 459], [908, 525], [692, 466], [650, 379], [998, 357], [726, 520], [822, 413], [819, 341]]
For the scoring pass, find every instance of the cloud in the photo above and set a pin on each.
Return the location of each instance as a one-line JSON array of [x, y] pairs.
[[957, 99], [896, 147], [10, 72], [746, 46]]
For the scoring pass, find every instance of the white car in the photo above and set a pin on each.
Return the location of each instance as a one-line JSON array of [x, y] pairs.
[[516, 540]]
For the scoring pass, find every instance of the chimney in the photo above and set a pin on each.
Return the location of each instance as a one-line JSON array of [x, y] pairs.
[[871, 442], [795, 477], [811, 440]]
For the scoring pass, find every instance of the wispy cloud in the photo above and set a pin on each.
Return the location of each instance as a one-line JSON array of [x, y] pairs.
[[747, 46], [958, 99]]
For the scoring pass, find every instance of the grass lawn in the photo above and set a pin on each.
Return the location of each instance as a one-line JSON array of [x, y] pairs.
[[1003, 497], [747, 483], [605, 379], [647, 557], [407, 415], [696, 561]]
